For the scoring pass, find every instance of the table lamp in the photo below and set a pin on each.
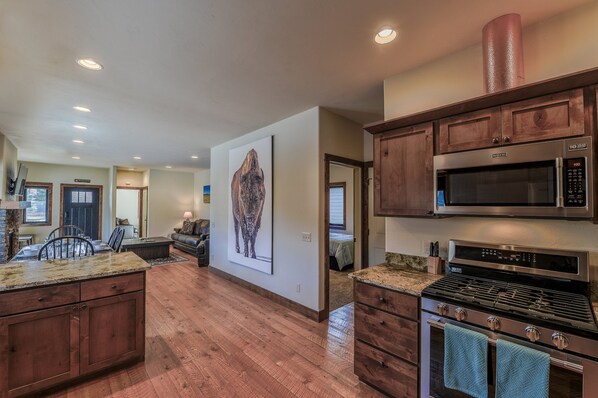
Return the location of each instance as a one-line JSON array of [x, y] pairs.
[[188, 215]]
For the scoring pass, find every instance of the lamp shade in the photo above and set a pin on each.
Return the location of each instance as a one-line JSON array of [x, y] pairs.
[[187, 215]]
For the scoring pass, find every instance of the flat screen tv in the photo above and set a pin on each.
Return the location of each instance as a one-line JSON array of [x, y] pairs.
[[17, 187]]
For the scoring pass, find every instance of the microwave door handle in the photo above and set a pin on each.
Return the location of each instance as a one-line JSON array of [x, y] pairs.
[[559, 183]]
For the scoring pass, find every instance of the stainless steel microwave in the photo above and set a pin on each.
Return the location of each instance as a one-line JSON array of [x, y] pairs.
[[552, 179]]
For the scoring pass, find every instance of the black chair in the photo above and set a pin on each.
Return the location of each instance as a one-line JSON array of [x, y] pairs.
[[118, 239], [65, 247], [113, 236], [65, 230]]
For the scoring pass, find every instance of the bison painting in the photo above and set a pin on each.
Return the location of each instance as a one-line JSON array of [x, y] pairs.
[[248, 194]]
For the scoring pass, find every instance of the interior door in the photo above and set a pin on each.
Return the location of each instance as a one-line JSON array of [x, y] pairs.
[[81, 207]]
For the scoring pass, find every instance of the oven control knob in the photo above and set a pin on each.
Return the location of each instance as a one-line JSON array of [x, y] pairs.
[[560, 340], [460, 314], [493, 323], [442, 309], [532, 333]]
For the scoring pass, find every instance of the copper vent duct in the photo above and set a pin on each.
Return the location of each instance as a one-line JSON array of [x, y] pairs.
[[503, 53]]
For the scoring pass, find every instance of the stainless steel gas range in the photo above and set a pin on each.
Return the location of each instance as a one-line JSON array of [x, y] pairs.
[[539, 298]]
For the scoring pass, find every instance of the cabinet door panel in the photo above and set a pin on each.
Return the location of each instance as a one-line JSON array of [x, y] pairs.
[[553, 116], [42, 349], [474, 130], [403, 172], [112, 331]]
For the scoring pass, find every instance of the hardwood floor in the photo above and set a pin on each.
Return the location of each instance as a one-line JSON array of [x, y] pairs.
[[207, 337]]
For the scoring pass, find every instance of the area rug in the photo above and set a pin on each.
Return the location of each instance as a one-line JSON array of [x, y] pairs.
[[173, 258], [341, 289]]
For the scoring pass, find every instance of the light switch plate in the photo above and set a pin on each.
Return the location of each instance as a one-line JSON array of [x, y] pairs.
[[306, 236]]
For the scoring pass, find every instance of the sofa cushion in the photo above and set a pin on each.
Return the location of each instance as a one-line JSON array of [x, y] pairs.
[[186, 239], [187, 227], [202, 227]]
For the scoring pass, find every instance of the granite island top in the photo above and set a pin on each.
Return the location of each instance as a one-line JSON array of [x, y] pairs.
[[394, 277], [24, 274]]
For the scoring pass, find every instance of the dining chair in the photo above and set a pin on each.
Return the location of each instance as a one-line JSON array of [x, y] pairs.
[[65, 230], [113, 236], [65, 247], [118, 240]]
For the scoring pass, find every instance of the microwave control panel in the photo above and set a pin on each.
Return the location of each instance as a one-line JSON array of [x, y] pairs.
[[574, 171]]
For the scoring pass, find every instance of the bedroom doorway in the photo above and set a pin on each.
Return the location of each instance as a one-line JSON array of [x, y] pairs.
[[345, 224], [131, 211]]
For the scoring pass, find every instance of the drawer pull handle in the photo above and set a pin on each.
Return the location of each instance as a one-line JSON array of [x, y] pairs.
[[381, 322], [382, 364], [113, 286], [382, 300], [40, 299], [83, 306]]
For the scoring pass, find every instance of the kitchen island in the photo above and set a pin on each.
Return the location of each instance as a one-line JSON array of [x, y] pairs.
[[61, 320]]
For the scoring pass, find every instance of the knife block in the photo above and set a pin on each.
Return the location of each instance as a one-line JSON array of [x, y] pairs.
[[435, 265]]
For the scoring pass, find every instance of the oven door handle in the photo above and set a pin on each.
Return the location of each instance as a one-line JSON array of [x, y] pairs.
[[553, 361], [560, 188]]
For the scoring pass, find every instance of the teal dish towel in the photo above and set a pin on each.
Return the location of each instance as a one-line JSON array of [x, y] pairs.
[[466, 361], [521, 371]]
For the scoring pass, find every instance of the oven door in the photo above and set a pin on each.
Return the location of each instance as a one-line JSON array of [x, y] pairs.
[[570, 376], [530, 180]]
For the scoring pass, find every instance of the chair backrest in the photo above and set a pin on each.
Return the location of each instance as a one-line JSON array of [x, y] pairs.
[[118, 240], [65, 230], [113, 236], [65, 247]]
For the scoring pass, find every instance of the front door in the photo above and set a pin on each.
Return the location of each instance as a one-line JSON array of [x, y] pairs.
[[81, 207]]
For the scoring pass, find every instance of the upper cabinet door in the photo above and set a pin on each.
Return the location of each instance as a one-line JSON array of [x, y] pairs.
[[553, 116], [403, 172], [474, 130]]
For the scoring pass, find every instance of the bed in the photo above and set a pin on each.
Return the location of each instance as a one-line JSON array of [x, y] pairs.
[[341, 250]]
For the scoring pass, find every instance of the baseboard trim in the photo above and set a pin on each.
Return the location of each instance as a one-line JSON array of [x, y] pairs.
[[314, 315]]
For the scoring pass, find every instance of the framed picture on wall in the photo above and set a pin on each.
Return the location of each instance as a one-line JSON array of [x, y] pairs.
[[206, 194], [250, 205]]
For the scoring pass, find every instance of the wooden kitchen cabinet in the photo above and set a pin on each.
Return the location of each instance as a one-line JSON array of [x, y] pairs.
[[403, 172], [387, 339], [112, 331], [474, 130]]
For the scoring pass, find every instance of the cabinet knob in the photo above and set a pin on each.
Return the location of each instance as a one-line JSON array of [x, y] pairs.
[[83, 306], [382, 299], [382, 364], [381, 322], [495, 140], [113, 286], [40, 299], [506, 138]]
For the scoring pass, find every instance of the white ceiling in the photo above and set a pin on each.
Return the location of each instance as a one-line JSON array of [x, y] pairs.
[[182, 76]]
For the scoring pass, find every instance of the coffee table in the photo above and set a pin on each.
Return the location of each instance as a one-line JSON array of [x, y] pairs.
[[148, 248]]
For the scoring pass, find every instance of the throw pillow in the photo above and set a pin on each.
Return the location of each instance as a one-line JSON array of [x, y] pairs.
[[187, 227], [124, 221]]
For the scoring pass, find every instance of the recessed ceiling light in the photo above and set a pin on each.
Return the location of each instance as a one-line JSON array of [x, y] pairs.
[[137, 157], [194, 157], [89, 63], [76, 157], [81, 108], [78, 141], [385, 35], [168, 167], [132, 169], [79, 126]]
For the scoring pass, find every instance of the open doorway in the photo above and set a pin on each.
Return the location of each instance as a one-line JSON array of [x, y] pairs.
[[131, 211], [345, 235]]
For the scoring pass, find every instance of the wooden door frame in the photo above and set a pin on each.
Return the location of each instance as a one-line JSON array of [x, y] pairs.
[[328, 159], [100, 200], [140, 189]]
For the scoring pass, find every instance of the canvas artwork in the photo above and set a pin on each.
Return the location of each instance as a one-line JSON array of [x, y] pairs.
[[250, 206], [206, 194]]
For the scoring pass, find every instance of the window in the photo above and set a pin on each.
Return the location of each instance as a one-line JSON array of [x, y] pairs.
[[338, 202], [40, 196]]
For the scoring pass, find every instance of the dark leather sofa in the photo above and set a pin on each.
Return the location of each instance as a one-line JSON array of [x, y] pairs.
[[194, 238]]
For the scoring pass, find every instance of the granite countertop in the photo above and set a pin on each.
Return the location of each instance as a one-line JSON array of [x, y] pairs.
[[24, 274], [396, 277]]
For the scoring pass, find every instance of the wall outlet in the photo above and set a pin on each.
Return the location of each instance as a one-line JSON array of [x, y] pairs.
[[306, 236], [298, 288]]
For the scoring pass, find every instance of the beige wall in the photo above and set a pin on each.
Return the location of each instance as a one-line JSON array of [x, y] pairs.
[[125, 178], [59, 174], [560, 45], [344, 174], [564, 44], [170, 195], [201, 209]]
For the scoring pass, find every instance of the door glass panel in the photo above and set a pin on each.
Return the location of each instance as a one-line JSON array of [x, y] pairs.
[[81, 197], [526, 184], [75, 197], [88, 197]]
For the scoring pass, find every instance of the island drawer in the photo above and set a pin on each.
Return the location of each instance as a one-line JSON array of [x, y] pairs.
[[111, 286], [394, 334], [38, 298], [397, 303]]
